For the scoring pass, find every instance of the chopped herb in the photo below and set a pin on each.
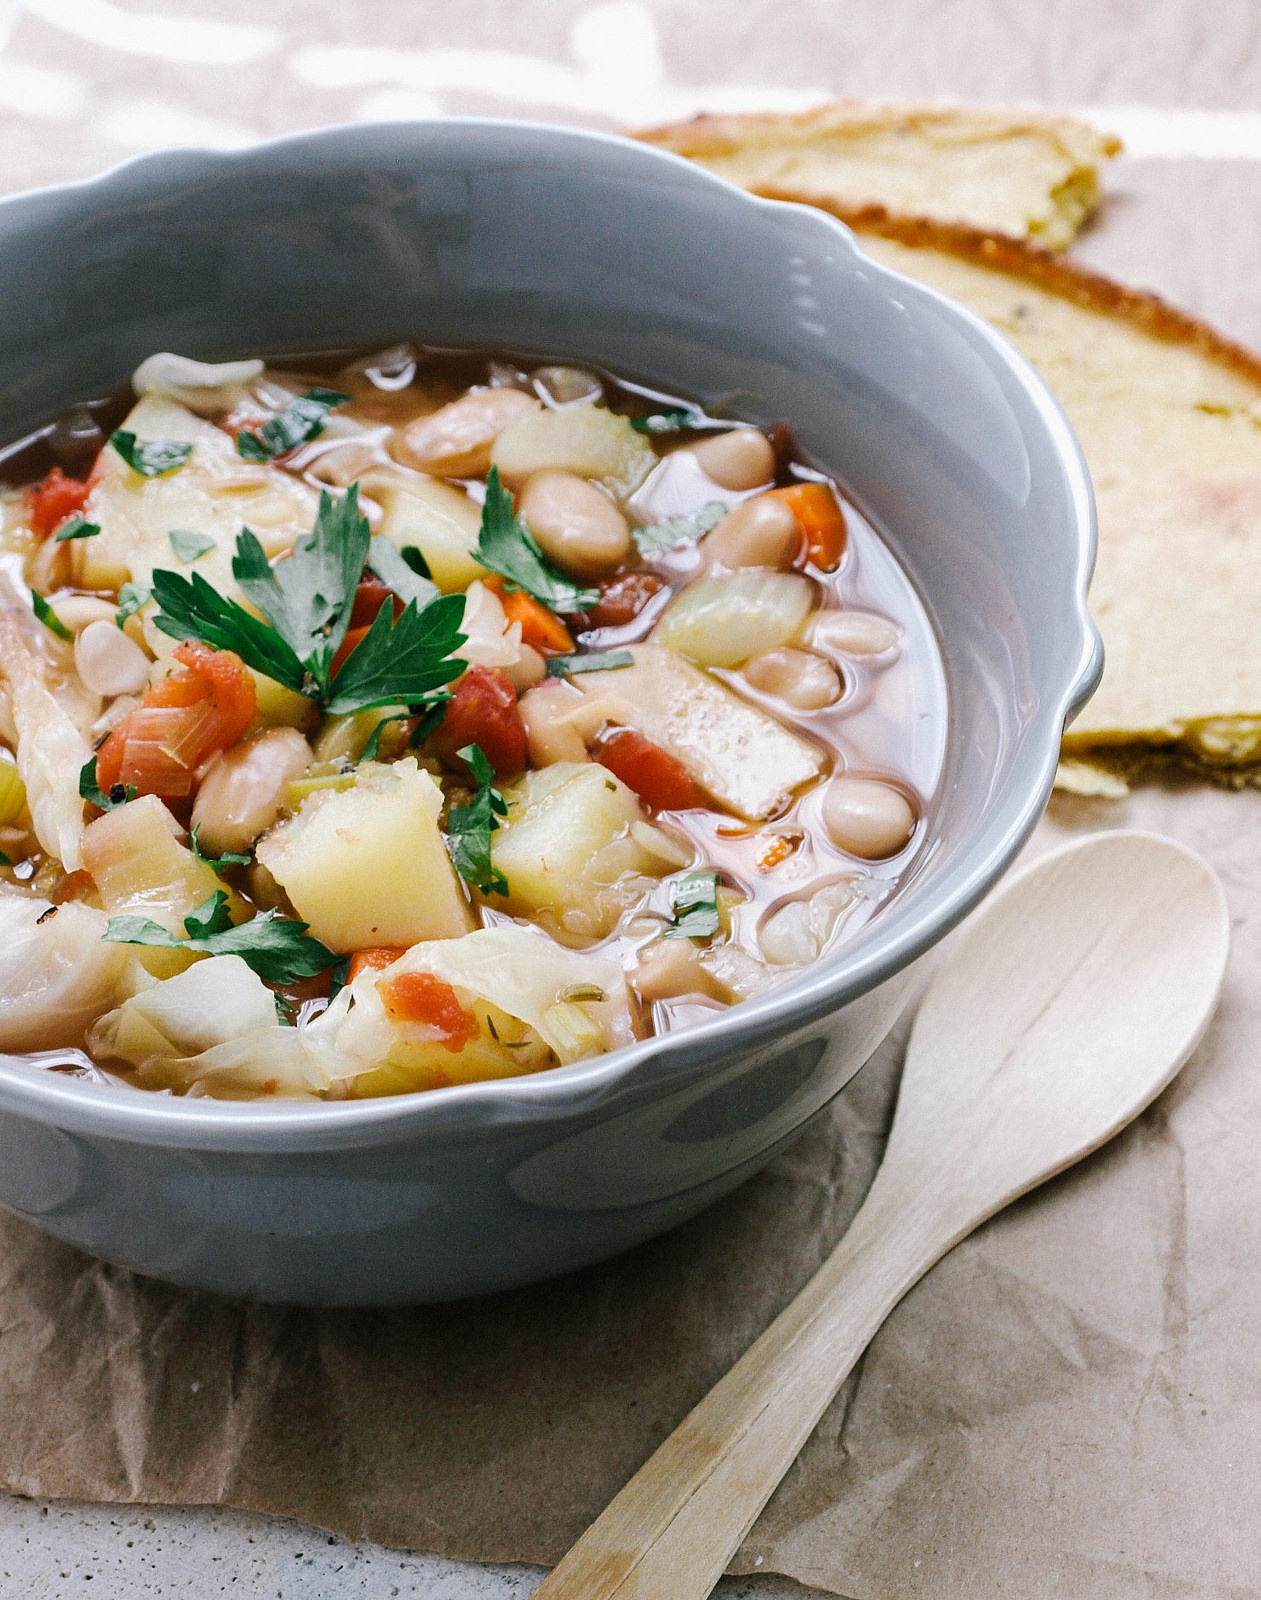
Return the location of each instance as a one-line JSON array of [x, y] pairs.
[[372, 749], [229, 858], [506, 546], [277, 948], [188, 546], [397, 573], [132, 597], [677, 531], [469, 827], [695, 901], [49, 617], [416, 561], [306, 601], [435, 708], [671, 419], [47, 916], [286, 1012], [6, 860], [302, 419], [577, 993], [593, 661], [338, 977], [76, 528], [151, 458], [91, 791]]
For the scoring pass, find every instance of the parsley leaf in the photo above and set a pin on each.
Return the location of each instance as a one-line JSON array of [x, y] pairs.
[[132, 597], [187, 546], [469, 827], [416, 561], [49, 617], [277, 948], [397, 573], [151, 458], [403, 660], [372, 749], [90, 789], [5, 860], [676, 531], [309, 597], [593, 661], [76, 528], [229, 858], [695, 901], [670, 419], [190, 609], [302, 419], [506, 546]]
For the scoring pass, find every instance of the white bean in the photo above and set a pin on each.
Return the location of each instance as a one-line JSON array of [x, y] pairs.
[[740, 459], [528, 669], [546, 712], [866, 818], [77, 610], [851, 633], [244, 791], [108, 662], [578, 526], [456, 440], [671, 968], [760, 533], [803, 679]]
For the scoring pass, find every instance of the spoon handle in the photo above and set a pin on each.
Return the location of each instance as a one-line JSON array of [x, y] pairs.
[[675, 1526]]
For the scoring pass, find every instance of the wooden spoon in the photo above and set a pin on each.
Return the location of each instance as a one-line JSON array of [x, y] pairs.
[[1067, 1005]]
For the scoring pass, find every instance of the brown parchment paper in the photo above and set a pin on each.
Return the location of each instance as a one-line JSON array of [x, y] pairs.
[[1069, 1405]]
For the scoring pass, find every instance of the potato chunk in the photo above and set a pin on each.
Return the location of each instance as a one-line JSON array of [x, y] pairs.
[[214, 493], [367, 865], [439, 519], [749, 763], [577, 850]]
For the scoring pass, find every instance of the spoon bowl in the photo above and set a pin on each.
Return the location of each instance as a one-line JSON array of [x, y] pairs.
[[1063, 1009]]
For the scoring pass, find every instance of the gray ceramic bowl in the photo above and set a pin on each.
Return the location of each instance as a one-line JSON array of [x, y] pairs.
[[493, 233]]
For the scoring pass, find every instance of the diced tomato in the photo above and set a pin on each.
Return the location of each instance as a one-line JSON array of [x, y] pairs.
[[821, 518], [51, 502], [539, 626], [658, 778], [623, 598], [353, 637], [181, 721], [374, 959], [370, 596], [483, 711], [420, 997]]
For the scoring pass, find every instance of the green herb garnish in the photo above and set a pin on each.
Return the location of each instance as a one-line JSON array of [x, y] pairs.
[[277, 948], [397, 573], [372, 749], [76, 528], [49, 617], [677, 531], [151, 458], [469, 827], [593, 661], [132, 597], [670, 419], [6, 860], [416, 561], [302, 419], [307, 600], [90, 789], [187, 546], [695, 901], [506, 546], [229, 858]]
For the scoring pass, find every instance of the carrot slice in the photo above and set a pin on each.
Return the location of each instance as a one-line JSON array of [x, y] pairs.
[[658, 778], [539, 626], [374, 959], [822, 521], [420, 997]]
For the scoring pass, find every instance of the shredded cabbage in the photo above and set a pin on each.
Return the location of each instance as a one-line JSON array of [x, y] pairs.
[[58, 972]]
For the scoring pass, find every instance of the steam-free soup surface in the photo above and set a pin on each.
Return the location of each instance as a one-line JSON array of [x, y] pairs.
[[377, 725]]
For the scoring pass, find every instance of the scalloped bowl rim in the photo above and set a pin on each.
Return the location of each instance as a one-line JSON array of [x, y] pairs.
[[898, 937]]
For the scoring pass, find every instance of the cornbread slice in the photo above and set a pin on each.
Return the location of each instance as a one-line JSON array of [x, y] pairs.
[[1026, 174], [1169, 415]]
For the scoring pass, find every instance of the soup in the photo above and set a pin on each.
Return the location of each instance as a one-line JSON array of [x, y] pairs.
[[372, 725]]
